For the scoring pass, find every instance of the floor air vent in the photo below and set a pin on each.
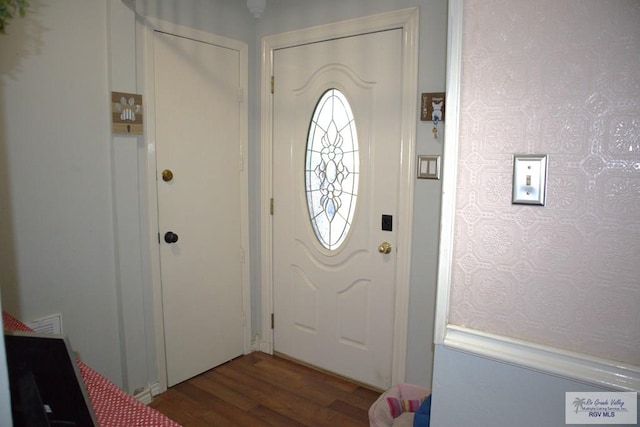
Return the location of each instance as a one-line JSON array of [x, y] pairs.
[[47, 325]]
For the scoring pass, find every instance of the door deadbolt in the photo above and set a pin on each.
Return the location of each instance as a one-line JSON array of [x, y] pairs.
[[170, 237], [167, 175]]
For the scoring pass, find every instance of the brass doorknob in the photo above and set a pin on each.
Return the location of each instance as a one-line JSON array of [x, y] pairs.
[[384, 248], [167, 175]]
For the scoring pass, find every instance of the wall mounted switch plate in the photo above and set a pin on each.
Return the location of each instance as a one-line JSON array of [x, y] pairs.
[[529, 179], [429, 167]]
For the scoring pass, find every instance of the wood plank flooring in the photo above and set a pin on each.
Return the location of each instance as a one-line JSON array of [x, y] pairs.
[[262, 390]]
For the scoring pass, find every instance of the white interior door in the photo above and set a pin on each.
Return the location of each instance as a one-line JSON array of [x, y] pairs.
[[334, 305], [198, 139]]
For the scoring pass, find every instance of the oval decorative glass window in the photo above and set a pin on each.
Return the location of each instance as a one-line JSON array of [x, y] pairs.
[[332, 169]]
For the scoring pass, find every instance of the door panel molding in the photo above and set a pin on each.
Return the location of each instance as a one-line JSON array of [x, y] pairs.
[[147, 27], [407, 20]]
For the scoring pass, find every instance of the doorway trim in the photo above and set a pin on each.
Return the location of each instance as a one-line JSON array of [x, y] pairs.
[[408, 21], [148, 168]]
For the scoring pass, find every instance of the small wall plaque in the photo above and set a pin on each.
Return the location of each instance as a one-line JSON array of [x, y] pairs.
[[126, 113], [432, 107]]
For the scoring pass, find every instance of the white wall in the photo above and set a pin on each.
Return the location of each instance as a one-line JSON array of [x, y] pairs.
[[57, 216], [134, 299], [75, 218]]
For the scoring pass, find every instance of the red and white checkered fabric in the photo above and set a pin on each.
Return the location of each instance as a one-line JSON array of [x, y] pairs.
[[112, 406]]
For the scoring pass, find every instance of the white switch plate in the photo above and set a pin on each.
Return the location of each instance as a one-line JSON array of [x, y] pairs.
[[529, 179], [429, 167]]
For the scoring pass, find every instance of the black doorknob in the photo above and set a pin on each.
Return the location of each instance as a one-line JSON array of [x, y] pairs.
[[170, 237]]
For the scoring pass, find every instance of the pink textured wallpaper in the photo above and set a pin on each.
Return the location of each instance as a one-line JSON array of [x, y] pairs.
[[556, 77]]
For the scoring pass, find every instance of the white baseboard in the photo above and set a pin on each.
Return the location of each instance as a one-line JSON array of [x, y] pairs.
[[261, 345], [155, 389], [255, 345], [575, 366], [146, 395], [266, 347]]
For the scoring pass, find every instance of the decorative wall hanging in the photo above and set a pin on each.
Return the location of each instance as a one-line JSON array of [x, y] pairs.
[[126, 113], [432, 107]]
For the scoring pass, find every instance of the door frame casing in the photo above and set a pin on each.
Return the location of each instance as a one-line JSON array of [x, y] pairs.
[[148, 27], [408, 21]]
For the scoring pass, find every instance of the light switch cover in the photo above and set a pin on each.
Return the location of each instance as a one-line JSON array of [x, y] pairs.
[[529, 179], [429, 167]]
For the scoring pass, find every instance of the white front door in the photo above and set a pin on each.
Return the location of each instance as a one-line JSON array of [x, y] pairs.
[[197, 117], [334, 291]]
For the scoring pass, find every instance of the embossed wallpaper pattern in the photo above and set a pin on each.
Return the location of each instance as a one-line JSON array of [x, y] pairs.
[[556, 77]]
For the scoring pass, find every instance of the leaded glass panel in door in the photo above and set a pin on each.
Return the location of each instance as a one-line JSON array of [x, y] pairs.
[[332, 169]]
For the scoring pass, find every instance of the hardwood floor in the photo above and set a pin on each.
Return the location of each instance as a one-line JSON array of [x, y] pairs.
[[262, 390]]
